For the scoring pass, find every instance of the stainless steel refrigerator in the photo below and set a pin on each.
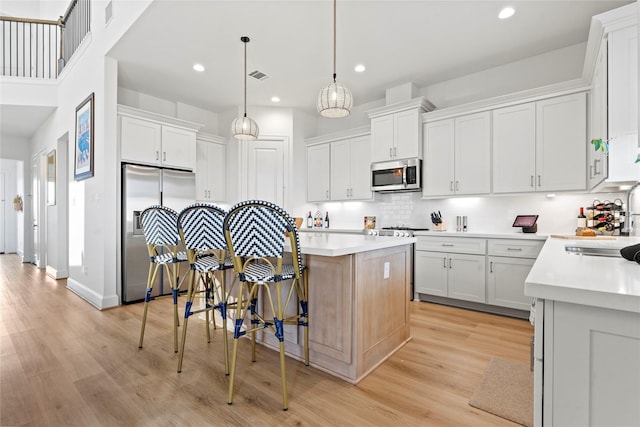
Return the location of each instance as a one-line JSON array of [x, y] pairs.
[[143, 186]]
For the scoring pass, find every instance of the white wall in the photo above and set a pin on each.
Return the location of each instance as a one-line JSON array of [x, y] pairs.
[[9, 168]]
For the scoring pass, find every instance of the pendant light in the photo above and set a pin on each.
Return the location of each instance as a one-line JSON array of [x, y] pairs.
[[244, 127], [334, 100]]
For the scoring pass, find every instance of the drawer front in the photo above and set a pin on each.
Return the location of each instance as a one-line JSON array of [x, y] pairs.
[[461, 245], [515, 248]]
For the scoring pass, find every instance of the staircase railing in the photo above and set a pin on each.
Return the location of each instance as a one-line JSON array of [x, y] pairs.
[[38, 48]]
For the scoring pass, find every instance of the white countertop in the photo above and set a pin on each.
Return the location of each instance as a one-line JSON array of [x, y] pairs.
[[485, 235], [337, 244], [609, 282]]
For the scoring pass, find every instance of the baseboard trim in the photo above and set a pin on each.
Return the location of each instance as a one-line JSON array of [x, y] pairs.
[[98, 301], [56, 274]]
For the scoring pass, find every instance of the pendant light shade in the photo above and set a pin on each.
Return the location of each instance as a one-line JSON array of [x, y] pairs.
[[244, 127], [334, 100]]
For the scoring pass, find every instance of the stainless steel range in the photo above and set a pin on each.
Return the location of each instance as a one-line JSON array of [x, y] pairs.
[[397, 231]]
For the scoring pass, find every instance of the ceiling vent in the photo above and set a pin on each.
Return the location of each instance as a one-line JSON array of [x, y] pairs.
[[259, 75]]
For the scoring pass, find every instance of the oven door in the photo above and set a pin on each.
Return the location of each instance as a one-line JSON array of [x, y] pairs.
[[402, 175]]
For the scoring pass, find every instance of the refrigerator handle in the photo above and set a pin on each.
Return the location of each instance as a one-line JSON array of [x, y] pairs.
[[137, 226]]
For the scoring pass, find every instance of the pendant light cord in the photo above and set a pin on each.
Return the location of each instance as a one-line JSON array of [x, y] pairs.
[[334, 41], [245, 76]]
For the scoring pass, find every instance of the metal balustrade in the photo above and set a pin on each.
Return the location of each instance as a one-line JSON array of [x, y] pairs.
[[37, 48]]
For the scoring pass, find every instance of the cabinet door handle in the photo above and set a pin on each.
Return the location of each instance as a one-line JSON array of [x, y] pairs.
[[395, 151], [157, 155], [514, 249], [164, 156], [539, 180], [451, 186], [531, 181], [450, 263], [205, 193], [327, 194], [490, 266], [444, 262], [457, 185], [595, 167], [390, 153], [448, 244]]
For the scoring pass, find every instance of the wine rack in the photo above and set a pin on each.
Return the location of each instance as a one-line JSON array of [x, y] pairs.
[[606, 218]]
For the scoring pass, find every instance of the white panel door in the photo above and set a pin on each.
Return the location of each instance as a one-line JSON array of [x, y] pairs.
[[561, 143], [438, 163], [178, 147], [406, 133], [318, 172], [361, 168], [341, 170], [514, 146], [466, 277], [382, 138], [140, 140], [473, 154], [430, 275], [265, 173]]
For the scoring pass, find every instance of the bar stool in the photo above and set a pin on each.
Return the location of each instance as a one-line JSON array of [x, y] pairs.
[[160, 226], [255, 234], [200, 228]]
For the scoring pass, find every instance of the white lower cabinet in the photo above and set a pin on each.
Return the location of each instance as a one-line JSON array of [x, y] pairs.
[[508, 264], [443, 272], [587, 370]]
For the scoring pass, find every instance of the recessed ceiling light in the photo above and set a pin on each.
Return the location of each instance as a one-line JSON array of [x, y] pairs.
[[359, 68], [275, 99], [198, 67], [507, 12]]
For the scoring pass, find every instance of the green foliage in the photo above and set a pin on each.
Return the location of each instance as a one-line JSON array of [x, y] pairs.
[[599, 144]]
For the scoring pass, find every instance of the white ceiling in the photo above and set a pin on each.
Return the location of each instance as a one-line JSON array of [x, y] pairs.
[[420, 41]]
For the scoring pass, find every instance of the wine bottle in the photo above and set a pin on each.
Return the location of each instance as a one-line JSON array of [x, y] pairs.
[[309, 220], [582, 219], [326, 220]]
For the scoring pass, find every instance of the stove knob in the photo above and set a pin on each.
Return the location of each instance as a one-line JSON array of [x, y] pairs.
[[396, 233]]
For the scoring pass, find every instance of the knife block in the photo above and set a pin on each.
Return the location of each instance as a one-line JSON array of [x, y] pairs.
[[440, 227]]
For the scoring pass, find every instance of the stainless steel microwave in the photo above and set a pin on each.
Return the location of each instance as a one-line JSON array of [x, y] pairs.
[[397, 175]]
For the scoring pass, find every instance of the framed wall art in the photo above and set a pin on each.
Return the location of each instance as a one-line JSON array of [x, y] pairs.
[[84, 143]]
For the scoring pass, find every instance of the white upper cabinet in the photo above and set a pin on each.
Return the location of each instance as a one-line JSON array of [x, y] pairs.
[[597, 164], [350, 169], [561, 135], [211, 169], [318, 173], [457, 159], [623, 104], [540, 146], [396, 136], [396, 132], [514, 142], [152, 139], [339, 166]]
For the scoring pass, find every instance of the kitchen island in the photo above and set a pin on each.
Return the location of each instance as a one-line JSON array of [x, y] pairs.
[[359, 292], [587, 335]]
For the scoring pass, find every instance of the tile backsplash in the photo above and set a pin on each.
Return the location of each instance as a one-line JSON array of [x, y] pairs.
[[492, 214]]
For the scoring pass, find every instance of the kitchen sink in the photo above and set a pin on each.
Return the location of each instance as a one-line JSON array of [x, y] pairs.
[[593, 251]]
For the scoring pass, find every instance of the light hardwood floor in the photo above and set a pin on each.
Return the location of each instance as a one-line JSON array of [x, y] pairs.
[[65, 363]]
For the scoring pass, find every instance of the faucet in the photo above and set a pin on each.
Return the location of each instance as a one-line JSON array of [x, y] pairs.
[[627, 230]]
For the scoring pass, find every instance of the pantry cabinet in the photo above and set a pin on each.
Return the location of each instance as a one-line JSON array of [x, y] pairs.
[[151, 139], [210, 168], [540, 146], [458, 156]]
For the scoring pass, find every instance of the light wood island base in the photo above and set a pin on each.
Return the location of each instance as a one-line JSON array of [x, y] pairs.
[[358, 311]]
